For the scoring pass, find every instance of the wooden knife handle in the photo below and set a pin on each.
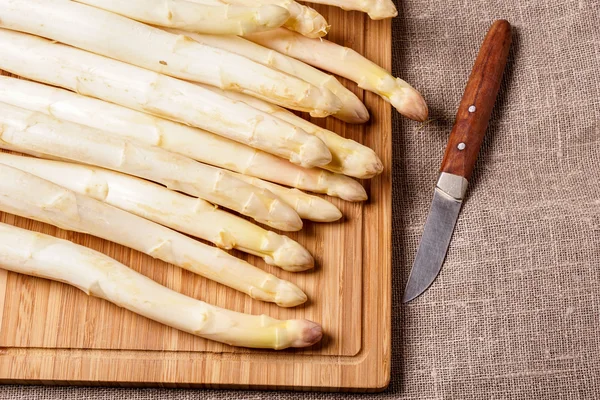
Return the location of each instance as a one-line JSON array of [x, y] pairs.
[[478, 100]]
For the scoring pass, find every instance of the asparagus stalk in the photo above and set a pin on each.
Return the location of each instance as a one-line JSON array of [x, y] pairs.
[[96, 274], [32, 132], [308, 207], [115, 36], [29, 196], [352, 111], [133, 87], [174, 137], [377, 9], [190, 215], [348, 63], [213, 17], [348, 157], [303, 19]]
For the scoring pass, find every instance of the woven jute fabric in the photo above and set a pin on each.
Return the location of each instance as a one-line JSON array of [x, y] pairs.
[[515, 312]]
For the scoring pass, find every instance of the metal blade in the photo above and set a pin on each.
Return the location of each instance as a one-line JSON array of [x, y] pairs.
[[434, 244]]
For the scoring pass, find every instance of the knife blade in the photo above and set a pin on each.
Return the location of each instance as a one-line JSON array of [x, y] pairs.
[[461, 153]]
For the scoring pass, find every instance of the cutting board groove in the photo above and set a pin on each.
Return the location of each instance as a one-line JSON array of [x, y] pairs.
[[51, 333]]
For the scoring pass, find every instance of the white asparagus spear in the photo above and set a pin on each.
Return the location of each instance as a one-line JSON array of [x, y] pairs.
[[186, 214], [377, 9], [96, 274], [30, 131], [308, 207], [29, 196], [303, 19], [348, 157], [348, 63], [124, 39], [133, 87], [352, 111], [174, 137], [214, 17]]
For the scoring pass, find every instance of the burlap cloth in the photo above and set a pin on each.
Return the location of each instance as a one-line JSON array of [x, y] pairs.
[[515, 312]]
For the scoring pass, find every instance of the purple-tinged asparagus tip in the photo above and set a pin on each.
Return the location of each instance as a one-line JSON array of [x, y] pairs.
[[311, 333]]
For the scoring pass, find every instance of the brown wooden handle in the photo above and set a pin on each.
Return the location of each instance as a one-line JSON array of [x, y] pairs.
[[478, 100]]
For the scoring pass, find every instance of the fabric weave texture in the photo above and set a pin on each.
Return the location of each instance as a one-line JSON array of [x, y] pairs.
[[515, 312]]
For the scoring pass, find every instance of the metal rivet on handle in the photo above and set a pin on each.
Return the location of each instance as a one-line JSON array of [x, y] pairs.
[[461, 146], [472, 109]]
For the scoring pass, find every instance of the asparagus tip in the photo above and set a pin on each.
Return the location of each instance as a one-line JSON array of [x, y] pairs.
[[310, 334], [283, 217], [307, 21], [361, 115], [289, 295], [272, 16], [328, 212], [293, 257], [353, 113], [365, 165], [382, 9], [411, 104], [375, 167], [350, 190], [327, 103], [313, 153]]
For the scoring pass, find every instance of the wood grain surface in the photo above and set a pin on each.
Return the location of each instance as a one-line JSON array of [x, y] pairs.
[[477, 102], [51, 333]]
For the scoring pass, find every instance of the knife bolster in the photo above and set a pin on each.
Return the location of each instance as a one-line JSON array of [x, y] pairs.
[[453, 185]]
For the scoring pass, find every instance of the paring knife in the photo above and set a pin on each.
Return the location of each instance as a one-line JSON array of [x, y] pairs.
[[459, 160]]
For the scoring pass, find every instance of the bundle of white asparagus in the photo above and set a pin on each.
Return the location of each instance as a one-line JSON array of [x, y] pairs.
[[198, 144], [45, 256], [156, 115]]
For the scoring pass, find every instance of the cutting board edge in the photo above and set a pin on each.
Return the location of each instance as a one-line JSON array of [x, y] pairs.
[[11, 360]]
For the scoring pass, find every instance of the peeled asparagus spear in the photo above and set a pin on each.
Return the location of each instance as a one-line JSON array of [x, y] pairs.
[[174, 137], [303, 19], [124, 39], [348, 157], [29, 196], [377, 9], [213, 17], [348, 63], [44, 256], [32, 132], [133, 87], [190, 215], [308, 207], [352, 111]]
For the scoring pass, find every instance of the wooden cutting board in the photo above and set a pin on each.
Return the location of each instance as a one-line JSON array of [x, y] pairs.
[[51, 333]]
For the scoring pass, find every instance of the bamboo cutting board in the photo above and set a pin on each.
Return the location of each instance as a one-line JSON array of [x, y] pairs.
[[51, 333]]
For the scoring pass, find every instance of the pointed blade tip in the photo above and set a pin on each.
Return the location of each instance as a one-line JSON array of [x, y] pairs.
[[410, 295]]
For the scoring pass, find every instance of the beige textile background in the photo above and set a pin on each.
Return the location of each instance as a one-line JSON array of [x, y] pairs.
[[515, 312]]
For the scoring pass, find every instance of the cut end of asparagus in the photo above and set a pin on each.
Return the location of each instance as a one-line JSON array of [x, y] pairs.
[[313, 153], [271, 16], [309, 332], [289, 295], [381, 9], [409, 102], [291, 256]]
